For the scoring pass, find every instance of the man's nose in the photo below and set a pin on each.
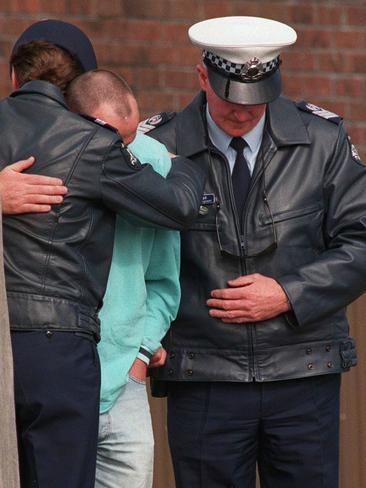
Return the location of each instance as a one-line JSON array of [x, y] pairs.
[[241, 114]]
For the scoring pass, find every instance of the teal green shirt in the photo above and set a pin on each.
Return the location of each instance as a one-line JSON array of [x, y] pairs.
[[143, 292]]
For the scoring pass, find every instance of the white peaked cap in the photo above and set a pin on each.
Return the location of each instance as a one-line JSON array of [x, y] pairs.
[[242, 56]]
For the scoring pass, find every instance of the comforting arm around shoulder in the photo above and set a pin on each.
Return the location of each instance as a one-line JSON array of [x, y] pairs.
[[128, 185], [24, 193]]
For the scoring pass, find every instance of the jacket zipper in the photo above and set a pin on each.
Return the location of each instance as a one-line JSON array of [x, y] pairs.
[[214, 150], [241, 239], [251, 327]]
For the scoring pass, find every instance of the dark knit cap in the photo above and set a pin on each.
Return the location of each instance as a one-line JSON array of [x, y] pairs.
[[64, 35]]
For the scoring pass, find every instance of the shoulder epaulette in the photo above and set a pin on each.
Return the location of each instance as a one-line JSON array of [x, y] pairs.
[[354, 151], [320, 112], [100, 122], [155, 121]]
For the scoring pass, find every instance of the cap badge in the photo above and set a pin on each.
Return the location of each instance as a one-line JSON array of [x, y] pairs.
[[252, 70]]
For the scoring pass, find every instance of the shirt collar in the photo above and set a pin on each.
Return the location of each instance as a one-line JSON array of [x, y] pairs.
[[222, 140]]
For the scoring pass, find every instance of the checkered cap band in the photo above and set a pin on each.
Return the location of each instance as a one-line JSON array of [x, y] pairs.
[[235, 69]]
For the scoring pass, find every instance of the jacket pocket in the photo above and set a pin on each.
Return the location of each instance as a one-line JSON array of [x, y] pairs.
[[290, 214]]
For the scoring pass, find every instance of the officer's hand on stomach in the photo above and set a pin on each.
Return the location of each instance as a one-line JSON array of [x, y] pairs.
[[24, 193], [249, 298]]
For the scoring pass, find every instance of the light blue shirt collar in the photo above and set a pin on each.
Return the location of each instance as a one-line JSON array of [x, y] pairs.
[[221, 140]]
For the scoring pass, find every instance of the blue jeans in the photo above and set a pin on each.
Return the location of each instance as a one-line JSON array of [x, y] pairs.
[[126, 444]]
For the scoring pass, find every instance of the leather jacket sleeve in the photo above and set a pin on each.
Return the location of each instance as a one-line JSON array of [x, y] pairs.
[[128, 185], [337, 275]]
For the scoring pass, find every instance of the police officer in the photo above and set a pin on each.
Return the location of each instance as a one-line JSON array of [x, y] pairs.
[[56, 264], [268, 267]]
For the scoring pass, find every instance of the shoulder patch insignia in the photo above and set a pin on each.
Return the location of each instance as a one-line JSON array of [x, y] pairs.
[[320, 112], [155, 121], [99, 122], [354, 151], [131, 159]]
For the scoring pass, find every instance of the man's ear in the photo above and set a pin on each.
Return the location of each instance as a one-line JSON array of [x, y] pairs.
[[202, 76], [14, 81]]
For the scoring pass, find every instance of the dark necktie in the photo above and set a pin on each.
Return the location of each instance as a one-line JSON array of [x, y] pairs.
[[240, 175]]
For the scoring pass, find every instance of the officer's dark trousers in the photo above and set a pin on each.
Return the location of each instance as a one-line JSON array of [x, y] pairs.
[[219, 431], [57, 383]]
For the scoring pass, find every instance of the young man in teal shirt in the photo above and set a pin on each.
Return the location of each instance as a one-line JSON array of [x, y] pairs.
[[141, 300]]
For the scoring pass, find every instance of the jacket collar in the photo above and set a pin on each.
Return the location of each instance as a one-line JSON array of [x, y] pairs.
[[283, 120], [44, 88], [192, 117], [285, 123]]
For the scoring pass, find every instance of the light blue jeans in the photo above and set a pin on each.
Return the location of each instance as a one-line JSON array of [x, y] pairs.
[[126, 443]]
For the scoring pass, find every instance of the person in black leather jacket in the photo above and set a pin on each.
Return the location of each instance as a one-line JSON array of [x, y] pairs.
[[56, 264], [261, 336]]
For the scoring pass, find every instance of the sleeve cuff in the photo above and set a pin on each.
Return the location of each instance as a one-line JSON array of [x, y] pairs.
[[145, 355]]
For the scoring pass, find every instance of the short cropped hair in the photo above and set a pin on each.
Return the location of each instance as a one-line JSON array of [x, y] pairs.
[[42, 60], [100, 87]]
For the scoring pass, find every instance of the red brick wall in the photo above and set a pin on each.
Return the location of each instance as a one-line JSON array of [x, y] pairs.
[[146, 41]]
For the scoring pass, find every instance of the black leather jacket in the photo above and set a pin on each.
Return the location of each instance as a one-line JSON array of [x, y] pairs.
[[57, 263], [304, 225]]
